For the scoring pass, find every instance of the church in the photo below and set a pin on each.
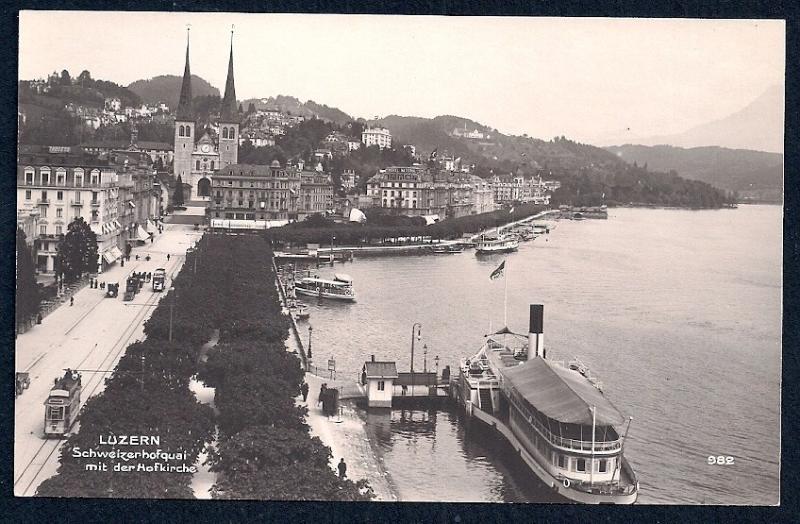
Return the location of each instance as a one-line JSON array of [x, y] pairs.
[[197, 157]]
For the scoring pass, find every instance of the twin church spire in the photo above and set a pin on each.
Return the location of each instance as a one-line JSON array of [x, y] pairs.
[[229, 112]]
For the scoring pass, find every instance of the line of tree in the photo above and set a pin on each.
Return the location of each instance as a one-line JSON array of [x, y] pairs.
[[264, 449], [382, 228], [28, 297]]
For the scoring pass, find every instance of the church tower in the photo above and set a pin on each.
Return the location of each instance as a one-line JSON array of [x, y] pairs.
[[185, 126], [229, 120]]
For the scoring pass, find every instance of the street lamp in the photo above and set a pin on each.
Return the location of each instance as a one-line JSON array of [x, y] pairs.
[[414, 335], [425, 358], [309, 341], [436, 363], [333, 237]]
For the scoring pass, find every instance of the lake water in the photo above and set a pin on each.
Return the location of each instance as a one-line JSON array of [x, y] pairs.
[[677, 312]]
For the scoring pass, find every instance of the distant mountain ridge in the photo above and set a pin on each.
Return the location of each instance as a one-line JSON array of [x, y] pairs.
[[167, 88], [751, 173], [758, 126]]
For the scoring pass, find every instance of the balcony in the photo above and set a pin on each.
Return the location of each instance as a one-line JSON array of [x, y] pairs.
[[95, 203], [78, 203], [42, 201]]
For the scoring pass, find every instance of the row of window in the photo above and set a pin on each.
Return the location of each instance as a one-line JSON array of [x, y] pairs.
[[228, 132], [400, 193], [412, 204], [61, 176], [267, 185], [197, 166], [184, 130], [567, 462], [59, 197]]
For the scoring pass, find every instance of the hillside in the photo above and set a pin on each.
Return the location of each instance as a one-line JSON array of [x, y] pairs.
[[754, 174], [758, 126], [292, 105], [167, 88]]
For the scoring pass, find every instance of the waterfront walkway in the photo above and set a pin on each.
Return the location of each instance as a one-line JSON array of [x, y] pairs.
[[346, 435]]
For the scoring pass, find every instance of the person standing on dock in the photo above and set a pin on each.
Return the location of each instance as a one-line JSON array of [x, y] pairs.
[[304, 390], [342, 467]]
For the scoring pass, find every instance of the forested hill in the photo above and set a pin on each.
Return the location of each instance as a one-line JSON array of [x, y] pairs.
[[167, 89], [292, 105], [755, 174]]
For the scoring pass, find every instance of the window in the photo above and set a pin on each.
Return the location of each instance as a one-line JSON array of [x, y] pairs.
[[59, 229], [43, 211], [45, 173], [181, 132], [59, 213], [224, 132], [197, 165], [44, 196], [381, 385], [581, 464], [212, 165], [77, 197], [94, 196], [61, 176], [42, 230], [95, 177], [59, 195], [188, 131], [231, 134], [603, 467], [562, 461], [27, 194], [79, 178]]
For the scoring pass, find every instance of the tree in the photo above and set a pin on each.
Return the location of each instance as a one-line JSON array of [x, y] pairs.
[[177, 196], [77, 253], [85, 78], [251, 108], [27, 292], [65, 78]]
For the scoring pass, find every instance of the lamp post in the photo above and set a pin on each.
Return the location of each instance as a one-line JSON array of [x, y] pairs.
[[333, 237], [418, 327], [436, 364], [425, 358], [309, 341]]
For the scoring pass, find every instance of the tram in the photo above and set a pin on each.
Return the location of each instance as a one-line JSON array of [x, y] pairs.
[[62, 406]]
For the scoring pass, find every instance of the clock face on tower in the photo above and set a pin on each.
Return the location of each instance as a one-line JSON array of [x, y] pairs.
[[206, 148]]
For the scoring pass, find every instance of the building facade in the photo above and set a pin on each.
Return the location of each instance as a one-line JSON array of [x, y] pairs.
[[316, 194], [57, 188], [255, 192], [376, 136], [197, 157]]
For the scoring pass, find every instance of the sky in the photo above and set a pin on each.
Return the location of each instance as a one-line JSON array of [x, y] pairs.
[[589, 79]]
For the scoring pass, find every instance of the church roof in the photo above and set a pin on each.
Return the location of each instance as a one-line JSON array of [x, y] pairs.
[[184, 111], [230, 111]]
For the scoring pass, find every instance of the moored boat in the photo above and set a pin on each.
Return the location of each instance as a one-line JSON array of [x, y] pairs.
[[339, 288], [554, 414], [496, 244]]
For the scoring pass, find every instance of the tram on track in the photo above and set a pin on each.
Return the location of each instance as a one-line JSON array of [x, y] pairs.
[[62, 405]]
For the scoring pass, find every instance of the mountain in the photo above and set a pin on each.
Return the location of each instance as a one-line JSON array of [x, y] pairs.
[[290, 104], [754, 174], [167, 89], [758, 126]]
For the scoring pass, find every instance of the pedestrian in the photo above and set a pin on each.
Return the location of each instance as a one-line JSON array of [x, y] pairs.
[[322, 389], [304, 390], [342, 467], [151, 239], [71, 301], [137, 257], [167, 257]]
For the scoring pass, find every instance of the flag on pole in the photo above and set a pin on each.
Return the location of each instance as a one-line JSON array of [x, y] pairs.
[[499, 271]]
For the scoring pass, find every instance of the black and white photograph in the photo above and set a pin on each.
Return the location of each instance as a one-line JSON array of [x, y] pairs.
[[386, 259]]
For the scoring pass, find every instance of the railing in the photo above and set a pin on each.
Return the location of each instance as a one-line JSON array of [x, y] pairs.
[[95, 203], [40, 201], [568, 443], [76, 202]]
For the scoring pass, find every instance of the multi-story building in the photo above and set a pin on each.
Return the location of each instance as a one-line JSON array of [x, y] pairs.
[[349, 179], [519, 189], [316, 193], [58, 187], [376, 136], [255, 192], [482, 195], [138, 195], [417, 191]]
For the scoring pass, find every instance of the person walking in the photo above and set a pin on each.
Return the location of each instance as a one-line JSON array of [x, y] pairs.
[[342, 467], [322, 389], [71, 301], [304, 390], [167, 257]]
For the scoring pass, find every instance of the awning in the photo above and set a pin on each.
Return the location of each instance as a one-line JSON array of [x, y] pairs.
[[95, 227], [150, 225], [560, 393], [117, 252], [141, 234], [430, 219], [109, 257]]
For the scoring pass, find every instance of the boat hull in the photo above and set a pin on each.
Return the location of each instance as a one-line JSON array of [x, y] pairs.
[[323, 294], [569, 493], [492, 251]]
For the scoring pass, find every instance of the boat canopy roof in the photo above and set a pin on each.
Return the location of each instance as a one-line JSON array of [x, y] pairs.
[[561, 394], [317, 280], [342, 277]]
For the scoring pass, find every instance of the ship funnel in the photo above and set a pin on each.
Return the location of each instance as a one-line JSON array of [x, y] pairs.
[[536, 331]]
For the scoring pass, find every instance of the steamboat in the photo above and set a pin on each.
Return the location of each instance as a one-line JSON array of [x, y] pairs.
[[496, 244], [340, 288], [553, 413]]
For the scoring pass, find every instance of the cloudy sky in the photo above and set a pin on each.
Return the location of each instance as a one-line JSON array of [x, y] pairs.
[[588, 79]]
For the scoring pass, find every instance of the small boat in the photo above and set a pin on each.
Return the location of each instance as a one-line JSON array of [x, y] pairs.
[[302, 313], [496, 244], [447, 250], [339, 288]]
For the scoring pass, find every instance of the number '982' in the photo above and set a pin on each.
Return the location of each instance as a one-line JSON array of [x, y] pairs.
[[720, 460]]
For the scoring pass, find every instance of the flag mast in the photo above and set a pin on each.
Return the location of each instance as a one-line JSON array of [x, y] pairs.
[[505, 296]]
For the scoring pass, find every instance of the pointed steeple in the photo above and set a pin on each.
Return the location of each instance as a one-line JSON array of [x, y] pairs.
[[230, 111], [185, 102]]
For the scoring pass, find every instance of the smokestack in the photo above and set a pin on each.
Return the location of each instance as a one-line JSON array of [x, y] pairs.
[[372, 357], [536, 331]]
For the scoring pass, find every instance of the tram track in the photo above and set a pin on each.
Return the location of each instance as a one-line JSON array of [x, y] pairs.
[[49, 446]]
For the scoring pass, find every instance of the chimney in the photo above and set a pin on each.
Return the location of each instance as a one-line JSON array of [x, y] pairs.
[[372, 358], [536, 331]]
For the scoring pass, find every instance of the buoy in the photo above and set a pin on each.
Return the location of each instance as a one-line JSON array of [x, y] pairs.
[[566, 483]]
